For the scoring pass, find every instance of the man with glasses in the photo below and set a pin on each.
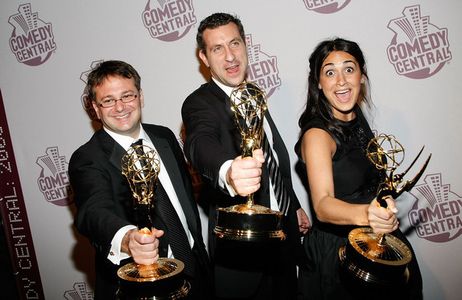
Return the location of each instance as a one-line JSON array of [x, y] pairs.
[[103, 196]]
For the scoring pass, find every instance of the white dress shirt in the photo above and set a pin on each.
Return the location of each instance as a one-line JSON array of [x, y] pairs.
[[115, 254]]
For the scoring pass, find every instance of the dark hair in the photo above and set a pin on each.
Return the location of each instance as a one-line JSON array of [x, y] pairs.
[[317, 105], [214, 21], [110, 68]]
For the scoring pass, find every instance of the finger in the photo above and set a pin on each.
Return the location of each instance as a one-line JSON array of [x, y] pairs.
[[383, 226], [375, 210], [245, 170], [250, 173], [157, 232], [146, 258], [259, 156], [390, 204], [143, 238], [251, 162], [246, 190], [246, 183]]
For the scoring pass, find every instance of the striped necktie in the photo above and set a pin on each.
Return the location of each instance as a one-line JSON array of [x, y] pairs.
[[175, 231], [280, 191]]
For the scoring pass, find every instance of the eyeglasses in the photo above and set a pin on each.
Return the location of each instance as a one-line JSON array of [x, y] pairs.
[[110, 102]]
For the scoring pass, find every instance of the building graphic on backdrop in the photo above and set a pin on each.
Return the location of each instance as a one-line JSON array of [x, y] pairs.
[[32, 40], [262, 68], [437, 215], [80, 291], [418, 49], [325, 7], [168, 20], [86, 102], [53, 180]]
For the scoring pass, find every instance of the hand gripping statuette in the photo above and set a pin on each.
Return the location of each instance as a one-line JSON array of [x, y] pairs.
[[381, 259], [249, 221], [163, 279]]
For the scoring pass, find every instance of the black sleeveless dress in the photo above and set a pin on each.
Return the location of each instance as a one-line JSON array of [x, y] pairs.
[[355, 181]]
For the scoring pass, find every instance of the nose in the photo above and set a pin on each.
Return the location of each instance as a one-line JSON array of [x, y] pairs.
[[340, 79], [119, 105], [229, 54]]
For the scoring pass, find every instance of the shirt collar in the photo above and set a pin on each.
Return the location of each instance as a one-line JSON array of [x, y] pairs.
[[127, 141], [227, 89]]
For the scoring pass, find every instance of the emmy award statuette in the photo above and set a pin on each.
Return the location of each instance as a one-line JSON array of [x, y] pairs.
[[249, 221], [161, 280], [381, 259]]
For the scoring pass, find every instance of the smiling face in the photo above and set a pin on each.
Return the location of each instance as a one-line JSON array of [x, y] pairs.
[[122, 118], [225, 54], [340, 79]]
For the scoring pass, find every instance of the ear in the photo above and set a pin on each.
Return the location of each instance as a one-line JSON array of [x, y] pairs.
[[319, 86], [203, 57], [96, 108], [141, 98], [363, 79]]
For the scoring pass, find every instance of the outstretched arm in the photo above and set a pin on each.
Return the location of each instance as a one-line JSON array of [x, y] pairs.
[[318, 148]]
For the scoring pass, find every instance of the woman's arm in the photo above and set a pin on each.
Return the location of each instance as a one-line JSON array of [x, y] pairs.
[[318, 148]]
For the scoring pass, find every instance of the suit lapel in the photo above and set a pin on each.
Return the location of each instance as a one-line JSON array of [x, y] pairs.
[[222, 97], [112, 148], [219, 93], [223, 104]]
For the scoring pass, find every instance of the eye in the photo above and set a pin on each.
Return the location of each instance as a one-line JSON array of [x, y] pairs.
[[330, 73], [349, 70], [107, 101], [217, 49], [235, 44], [126, 97]]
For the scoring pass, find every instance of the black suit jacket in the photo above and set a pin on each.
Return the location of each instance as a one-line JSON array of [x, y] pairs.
[[104, 199], [211, 139]]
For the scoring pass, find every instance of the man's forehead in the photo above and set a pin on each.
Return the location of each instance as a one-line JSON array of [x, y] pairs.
[[224, 32]]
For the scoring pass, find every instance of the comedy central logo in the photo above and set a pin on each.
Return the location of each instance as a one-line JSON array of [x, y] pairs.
[[262, 68], [80, 291], [168, 20], [418, 49], [86, 102], [441, 220], [32, 40], [53, 180], [325, 7]]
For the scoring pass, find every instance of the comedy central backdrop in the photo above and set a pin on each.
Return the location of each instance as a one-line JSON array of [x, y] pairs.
[[413, 51]]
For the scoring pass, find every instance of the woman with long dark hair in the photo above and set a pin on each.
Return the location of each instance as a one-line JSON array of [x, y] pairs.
[[342, 181]]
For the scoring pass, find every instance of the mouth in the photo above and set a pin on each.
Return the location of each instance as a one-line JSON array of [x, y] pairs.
[[124, 116], [233, 68], [343, 95]]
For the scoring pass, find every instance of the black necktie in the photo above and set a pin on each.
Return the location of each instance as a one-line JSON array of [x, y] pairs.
[[280, 191], [175, 231]]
